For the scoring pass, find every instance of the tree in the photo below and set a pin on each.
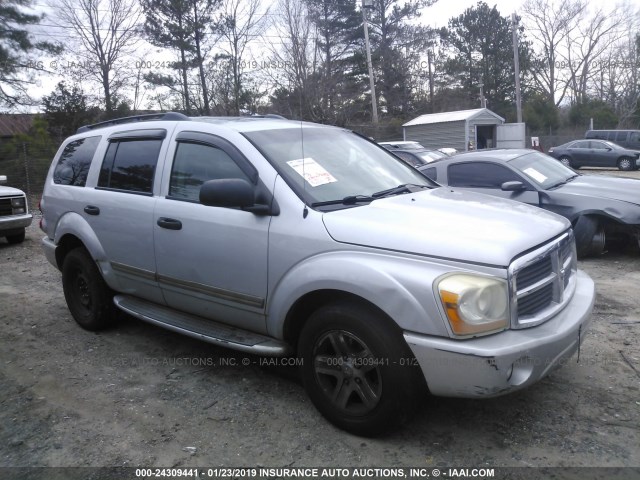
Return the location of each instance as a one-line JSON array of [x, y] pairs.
[[108, 31], [66, 109], [482, 52], [550, 24], [395, 45], [167, 25], [17, 51], [238, 23]]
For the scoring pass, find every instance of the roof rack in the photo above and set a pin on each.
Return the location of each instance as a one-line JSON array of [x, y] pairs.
[[167, 116]]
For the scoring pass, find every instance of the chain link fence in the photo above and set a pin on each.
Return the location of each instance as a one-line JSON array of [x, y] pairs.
[[26, 165]]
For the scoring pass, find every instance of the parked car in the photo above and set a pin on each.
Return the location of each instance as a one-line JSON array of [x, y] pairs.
[[625, 138], [417, 158], [448, 151], [14, 212], [277, 237], [596, 205], [596, 153], [402, 145]]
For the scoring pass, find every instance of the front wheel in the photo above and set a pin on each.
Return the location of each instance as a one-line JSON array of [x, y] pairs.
[[626, 164], [18, 238], [88, 297], [357, 369], [590, 236]]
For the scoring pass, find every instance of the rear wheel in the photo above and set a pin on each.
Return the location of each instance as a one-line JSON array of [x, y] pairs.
[[566, 161], [626, 164], [19, 238], [357, 369], [88, 297]]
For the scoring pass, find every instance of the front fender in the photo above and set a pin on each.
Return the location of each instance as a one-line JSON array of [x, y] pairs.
[[399, 286]]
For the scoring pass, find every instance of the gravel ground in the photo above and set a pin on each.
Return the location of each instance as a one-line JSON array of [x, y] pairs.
[[137, 395]]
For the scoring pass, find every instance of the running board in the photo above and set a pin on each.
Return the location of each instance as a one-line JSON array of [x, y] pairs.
[[203, 329]]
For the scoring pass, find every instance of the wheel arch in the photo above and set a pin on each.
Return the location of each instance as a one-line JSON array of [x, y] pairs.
[[304, 307]]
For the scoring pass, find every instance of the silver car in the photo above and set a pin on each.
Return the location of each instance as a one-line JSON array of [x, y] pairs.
[[278, 238]]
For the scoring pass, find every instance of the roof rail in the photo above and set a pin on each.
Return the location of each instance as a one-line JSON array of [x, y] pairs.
[[136, 118]]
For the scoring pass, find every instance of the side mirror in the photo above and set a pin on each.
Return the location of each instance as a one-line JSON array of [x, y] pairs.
[[3, 179], [232, 193], [513, 186]]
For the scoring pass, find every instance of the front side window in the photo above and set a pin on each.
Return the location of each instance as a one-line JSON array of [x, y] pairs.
[[598, 146], [634, 137], [130, 165], [621, 137], [480, 175], [74, 163], [195, 164]]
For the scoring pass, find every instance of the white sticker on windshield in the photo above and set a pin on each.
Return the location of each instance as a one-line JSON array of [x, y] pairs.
[[536, 175], [311, 171]]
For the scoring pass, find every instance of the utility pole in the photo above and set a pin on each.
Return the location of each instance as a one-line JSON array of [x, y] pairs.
[[516, 64], [366, 4], [483, 102]]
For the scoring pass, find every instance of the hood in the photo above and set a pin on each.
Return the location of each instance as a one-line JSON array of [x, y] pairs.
[[464, 226], [9, 191], [612, 188]]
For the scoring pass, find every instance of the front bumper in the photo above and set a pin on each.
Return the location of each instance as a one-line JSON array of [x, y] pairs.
[[511, 360], [14, 223]]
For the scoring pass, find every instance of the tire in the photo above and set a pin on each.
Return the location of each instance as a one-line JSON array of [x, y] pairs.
[[357, 369], [19, 238], [88, 297], [584, 230], [625, 164], [566, 161]]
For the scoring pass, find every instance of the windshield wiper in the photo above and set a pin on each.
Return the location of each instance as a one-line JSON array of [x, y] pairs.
[[348, 200], [564, 182], [404, 188]]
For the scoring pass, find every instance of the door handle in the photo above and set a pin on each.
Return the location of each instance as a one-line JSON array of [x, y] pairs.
[[170, 223], [91, 210]]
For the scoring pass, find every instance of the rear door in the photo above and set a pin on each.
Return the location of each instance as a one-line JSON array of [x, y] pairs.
[[120, 209]]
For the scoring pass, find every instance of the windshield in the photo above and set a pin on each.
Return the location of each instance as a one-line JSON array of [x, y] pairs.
[[324, 164], [542, 169]]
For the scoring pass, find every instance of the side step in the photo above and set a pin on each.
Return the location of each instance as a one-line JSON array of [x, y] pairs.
[[203, 329]]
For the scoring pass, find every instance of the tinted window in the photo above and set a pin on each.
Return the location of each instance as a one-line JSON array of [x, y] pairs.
[[621, 137], [130, 165], [634, 137], [430, 172], [74, 163], [194, 164], [611, 136], [480, 175], [410, 159]]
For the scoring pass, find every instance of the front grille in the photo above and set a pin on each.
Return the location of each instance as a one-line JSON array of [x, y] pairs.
[[5, 207], [542, 282]]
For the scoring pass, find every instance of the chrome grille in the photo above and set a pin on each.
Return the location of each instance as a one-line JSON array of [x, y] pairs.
[[542, 282]]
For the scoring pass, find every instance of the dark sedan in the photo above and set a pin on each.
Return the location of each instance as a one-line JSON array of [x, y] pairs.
[[597, 206], [596, 153]]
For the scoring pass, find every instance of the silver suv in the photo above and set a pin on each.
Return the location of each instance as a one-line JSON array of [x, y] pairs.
[[277, 237], [14, 213]]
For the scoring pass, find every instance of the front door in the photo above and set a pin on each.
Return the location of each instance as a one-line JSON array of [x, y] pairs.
[[211, 261]]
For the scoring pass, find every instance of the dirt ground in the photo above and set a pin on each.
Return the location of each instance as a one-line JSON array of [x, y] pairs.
[[137, 395]]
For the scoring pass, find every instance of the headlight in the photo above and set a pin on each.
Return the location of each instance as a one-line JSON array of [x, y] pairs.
[[474, 304], [18, 205]]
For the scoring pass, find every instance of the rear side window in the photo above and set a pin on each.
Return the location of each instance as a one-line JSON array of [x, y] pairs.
[[74, 163], [130, 165], [195, 164]]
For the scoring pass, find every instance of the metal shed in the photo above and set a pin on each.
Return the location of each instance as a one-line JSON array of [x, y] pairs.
[[464, 130]]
